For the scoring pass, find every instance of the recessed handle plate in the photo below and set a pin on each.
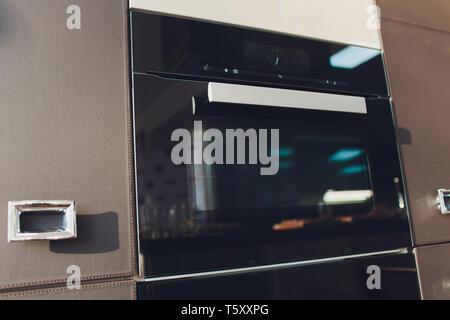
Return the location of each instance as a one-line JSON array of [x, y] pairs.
[[41, 220], [444, 200]]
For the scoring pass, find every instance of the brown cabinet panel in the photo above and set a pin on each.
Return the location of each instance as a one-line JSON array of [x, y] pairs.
[[64, 135], [418, 63], [120, 290], [433, 264], [427, 13]]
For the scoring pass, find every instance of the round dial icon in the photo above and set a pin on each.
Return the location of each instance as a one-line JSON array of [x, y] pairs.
[[277, 58]]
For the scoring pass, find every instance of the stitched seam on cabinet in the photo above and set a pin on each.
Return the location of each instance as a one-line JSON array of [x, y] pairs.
[[65, 289], [61, 281], [132, 211]]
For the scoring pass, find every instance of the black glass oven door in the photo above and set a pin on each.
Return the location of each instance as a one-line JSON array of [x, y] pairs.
[[232, 176]]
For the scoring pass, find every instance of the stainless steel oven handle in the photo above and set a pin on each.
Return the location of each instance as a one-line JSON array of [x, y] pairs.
[[285, 98]]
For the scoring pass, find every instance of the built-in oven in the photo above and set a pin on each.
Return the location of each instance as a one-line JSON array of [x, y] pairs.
[[256, 149]]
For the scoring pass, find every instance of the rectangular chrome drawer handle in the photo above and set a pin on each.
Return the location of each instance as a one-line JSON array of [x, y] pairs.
[[41, 220], [443, 200]]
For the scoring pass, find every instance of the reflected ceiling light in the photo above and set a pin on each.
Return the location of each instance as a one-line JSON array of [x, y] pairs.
[[345, 155], [285, 152], [353, 169], [286, 165], [352, 57], [346, 196]]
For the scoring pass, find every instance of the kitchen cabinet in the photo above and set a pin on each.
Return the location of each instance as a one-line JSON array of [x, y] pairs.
[[418, 65], [416, 42], [65, 135]]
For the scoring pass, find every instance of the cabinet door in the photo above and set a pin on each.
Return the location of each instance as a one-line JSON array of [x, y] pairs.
[[64, 135], [418, 63], [118, 290]]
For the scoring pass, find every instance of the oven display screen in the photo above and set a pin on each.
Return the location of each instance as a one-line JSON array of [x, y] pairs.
[[277, 60]]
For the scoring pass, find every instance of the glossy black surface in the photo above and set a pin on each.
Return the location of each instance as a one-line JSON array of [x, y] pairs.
[[338, 280], [41, 221], [177, 46], [202, 217], [318, 151], [252, 219]]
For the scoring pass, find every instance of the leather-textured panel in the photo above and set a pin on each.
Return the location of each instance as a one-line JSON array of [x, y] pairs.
[[119, 290], [418, 67], [434, 271], [427, 13], [65, 134]]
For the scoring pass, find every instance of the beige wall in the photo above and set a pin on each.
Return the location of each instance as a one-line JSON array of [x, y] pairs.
[[340, 21]]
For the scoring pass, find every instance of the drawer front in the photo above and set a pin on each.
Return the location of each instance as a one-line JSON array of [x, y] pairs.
[[433, 267], [119, 290], [338, 280], [64, 135], [418, 67]]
